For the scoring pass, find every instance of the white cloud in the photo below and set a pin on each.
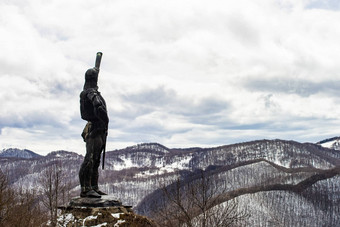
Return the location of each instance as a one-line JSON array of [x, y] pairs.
[[182, 73]]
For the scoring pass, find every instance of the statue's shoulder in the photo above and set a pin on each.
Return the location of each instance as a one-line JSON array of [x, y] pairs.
[[88, 91]]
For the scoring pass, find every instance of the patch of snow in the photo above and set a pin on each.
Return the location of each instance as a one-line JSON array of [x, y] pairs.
[[179, 163], [89, 218], [330, 144], [116, 215], [119, 222], [182, 163], [63, 220], [100, 225], [125, 164]]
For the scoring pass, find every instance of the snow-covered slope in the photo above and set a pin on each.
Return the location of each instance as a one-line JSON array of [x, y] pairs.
[[134, 173], [18, 153], [332, 143]]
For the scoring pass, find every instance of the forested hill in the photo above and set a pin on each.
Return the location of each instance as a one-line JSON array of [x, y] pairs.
[[274, 181]]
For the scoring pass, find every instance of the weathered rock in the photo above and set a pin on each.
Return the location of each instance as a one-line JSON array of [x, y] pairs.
[[104, 201], [100, 212]]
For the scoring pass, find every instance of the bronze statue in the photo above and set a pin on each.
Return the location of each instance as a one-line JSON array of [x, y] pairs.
[[93, 110]]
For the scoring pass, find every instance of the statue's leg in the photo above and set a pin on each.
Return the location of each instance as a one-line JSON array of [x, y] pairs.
[[96, 160], [96, 164], [86, 169]]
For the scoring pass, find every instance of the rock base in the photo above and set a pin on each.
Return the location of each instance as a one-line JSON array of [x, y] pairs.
[[100, 212]]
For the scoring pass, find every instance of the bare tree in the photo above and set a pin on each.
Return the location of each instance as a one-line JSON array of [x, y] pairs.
[[195, 203], [27, 210], [18, 207], [6, 199], [54, 189]]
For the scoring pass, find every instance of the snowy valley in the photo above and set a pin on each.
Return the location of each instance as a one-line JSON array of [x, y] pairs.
[[275, 182]]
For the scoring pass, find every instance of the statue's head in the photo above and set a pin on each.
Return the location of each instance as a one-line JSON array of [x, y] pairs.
[[91, 78]]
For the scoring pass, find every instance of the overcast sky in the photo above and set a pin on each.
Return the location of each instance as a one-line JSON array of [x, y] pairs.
[[181, 73]]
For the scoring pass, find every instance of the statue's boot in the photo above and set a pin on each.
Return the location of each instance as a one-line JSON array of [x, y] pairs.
[[90, 194], [96, 189], [100, 192]]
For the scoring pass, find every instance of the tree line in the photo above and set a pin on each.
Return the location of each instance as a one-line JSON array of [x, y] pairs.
[[38, 207]]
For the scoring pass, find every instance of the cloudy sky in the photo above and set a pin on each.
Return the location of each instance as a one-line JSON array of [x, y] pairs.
[[181, 73]]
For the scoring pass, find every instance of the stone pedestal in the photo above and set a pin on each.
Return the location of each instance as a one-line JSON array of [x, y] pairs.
[[105, 211], [104, 201]]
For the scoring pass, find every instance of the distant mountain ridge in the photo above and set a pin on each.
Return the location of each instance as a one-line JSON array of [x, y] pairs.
[[331, 143], [299, 183], [63, 154], [18, 153]]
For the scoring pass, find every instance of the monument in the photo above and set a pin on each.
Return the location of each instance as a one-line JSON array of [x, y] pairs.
[[94, 207], [93, 110]]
